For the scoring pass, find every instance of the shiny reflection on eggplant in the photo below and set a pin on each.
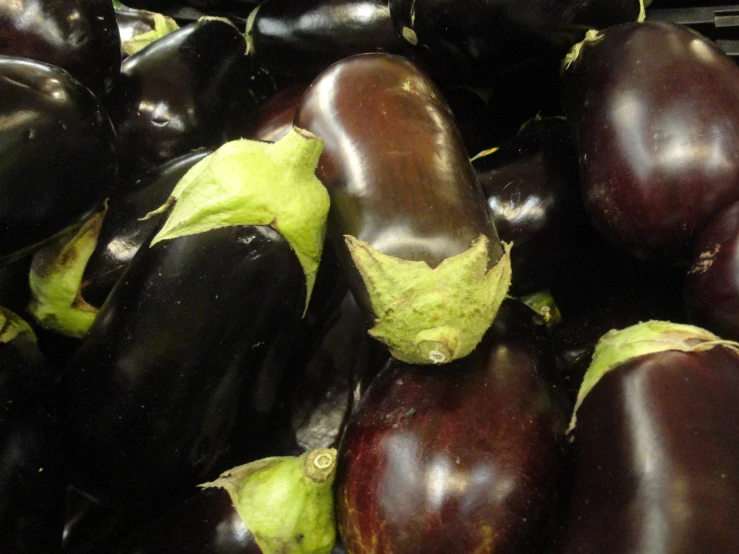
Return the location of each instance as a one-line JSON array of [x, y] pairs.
[[630, 115], [533, 208], [402, 487], [30, 15]]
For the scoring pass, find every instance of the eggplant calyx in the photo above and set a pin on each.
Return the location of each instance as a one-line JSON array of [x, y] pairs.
[[249, 33], [163, 25], [617, 347], [573, 55], [642, 11], [12, 326], [55, 279], [247, 182], [286, 502], [543, 303], [430, 315]]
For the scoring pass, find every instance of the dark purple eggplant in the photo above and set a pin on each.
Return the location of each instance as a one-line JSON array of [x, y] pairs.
[[81, 37], [214, 521], [463, 458], [477, 41], [656, 110], [656, 466], [139, 28], [14, 291], [180, 370], [408, 217], [31, 485], [301, 39], [712, 284], [532, 187], [175, 95], [273, 119], [59, 150]]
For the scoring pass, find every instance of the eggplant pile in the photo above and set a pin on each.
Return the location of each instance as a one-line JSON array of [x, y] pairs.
[[367, 277]]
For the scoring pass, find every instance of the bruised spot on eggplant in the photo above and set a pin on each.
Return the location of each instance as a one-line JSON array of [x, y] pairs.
[[619, 346], [286, 502], [56, 277], [248, 182], [432, 315], [12, 326], [163, 25]]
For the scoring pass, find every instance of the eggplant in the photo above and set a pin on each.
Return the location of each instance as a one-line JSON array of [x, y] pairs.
[[180, 370], [408, 218], [656, 110], [81, 37], [231, 515], [60, 155], [14, 291], [139, 28], [301, 39], [467, 457], [477, 41], [655, 458], [174, 96], [272, 119], [31, 485], [531, 183], [711, 290]]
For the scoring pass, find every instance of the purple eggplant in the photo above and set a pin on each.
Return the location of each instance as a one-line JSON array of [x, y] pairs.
[[655, 456], [81, 37], [59, 150], [463, 458], [31, 485], [408, 218], [656, 110]]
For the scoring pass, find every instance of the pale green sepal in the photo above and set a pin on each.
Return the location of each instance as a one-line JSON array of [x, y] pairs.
[[55, 278], [592, 35], [286, 502], [620, 346], [163, 25], [248, 182], [248, 31], [642, 11], [542, 302], [12, 326], [432, 316]]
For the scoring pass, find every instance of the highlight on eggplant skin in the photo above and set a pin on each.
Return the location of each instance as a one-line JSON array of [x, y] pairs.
[[655, 440], [656, 110], [408, 219]]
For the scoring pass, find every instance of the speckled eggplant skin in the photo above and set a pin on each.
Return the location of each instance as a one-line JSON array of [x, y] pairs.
[[394, 164], [180, 370], [59, 155], [655, 458], [656, 110], [464, 458], [81, 37]]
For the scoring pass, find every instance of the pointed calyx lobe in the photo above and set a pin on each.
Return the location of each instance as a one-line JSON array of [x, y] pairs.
[[248, 182]]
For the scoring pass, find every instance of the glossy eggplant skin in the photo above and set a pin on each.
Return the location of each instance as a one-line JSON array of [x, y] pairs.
[[394, 164], [656, 466], [59, 150], [81, 37], [463, 458], [474, 42], [123, 232], [532, 188], [301, 39], [274, 118], [31, 486], [173, 96], [656, 110], [180, 370], [711, 289], [206, 523]]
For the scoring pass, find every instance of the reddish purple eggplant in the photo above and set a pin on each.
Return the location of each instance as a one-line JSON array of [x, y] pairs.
[[656, 110], [463, 458], [31, 486], [655, 453], [81, 37], [712, 282], [273, 119], [175, 95], [532, 187], [408, 217], [59, 150]]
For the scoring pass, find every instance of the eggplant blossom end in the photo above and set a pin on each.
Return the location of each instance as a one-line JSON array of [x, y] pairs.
[[432, 316]]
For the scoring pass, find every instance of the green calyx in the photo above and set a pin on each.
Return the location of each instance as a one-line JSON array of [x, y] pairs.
[[542, 302], [617, 347], [163, 25], [55, 278], [432, 316], [286, 502], [12, 326], [248, 182], [573, 55]]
